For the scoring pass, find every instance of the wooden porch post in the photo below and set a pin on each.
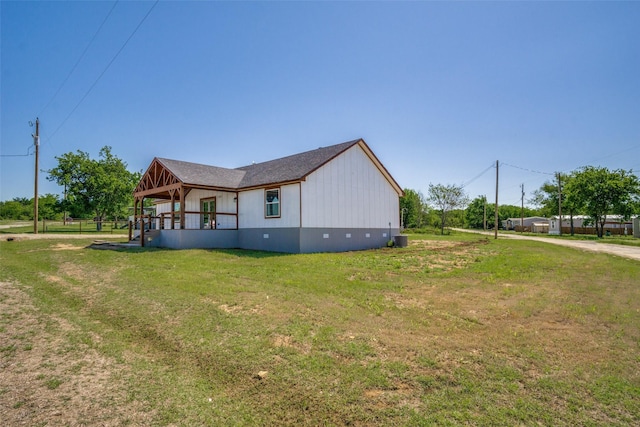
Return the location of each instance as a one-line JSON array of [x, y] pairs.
[[142, 232], [142, 209], [135, 211], [182, 207], [172, 193], [142, 221]]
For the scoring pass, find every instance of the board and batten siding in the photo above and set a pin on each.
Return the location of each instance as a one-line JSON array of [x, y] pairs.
[[349, 192], [252, 208], [224, 203]]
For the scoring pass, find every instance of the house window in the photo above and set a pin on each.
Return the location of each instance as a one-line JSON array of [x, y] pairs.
[[208, 213], [272, 203]]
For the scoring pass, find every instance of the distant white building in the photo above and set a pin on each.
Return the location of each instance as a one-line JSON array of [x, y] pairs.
[[613, 222], [512, 223]]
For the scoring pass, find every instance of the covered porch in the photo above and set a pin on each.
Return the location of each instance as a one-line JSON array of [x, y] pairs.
[[181, 205]]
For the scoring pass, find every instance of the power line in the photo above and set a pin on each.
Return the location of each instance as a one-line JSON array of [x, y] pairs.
[[82, 55], [80, 58], [29, 148], [527, 169], [18, 155], [491, 166], [103, 71], [615, 154]]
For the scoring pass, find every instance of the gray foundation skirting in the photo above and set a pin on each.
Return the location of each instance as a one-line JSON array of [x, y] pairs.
[[289, 240]]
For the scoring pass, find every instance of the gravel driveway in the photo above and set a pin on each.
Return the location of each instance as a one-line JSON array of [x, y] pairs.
[[632, 252]]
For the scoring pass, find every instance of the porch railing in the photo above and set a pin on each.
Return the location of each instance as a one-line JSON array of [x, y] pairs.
[[148, 223], [210, 224]]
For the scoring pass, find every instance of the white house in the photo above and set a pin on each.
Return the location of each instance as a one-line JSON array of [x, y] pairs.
[[334, 198], [585, 224], [512, 223]]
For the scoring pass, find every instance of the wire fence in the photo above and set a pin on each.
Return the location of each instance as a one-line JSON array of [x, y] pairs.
[[84, 226]]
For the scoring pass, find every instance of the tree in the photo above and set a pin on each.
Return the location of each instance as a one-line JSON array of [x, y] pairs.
[[103, 187], [49, 207], [546, 199], [18, 208], [475, 213], [21, 208], [446, 198], [412, 209], [600, 192]]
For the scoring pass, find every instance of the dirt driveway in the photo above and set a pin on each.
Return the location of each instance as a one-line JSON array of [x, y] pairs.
[[632, 252]]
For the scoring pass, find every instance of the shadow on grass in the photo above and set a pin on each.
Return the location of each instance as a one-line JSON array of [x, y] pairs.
[[136, 248], [248, 253]]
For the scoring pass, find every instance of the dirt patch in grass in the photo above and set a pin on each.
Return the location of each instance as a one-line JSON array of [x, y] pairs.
[[289, 342], [439, 255], [46, 378], [65, 247]]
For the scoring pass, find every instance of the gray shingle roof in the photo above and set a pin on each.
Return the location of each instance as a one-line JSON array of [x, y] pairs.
[[286, 169], [291, 168], [197, 174]]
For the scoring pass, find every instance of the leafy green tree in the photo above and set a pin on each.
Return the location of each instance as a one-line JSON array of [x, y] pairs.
[[49, 207], [474, 214], [27, 203], [412, 208], [103, 187], [491, 216], [508, 211], [18, 208], [455, 218], [546, 199], [600, 192], [446, 198]]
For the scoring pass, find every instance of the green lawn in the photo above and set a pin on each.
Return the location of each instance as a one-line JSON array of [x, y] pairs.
[[453, 330]]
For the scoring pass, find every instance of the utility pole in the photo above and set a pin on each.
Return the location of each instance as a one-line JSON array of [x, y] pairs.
[[64, 219], [496, 216], [36, 142], [522, 208], [560, 203], [484, 214]]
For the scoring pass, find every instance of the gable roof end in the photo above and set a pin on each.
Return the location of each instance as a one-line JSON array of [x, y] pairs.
[[381, 168]]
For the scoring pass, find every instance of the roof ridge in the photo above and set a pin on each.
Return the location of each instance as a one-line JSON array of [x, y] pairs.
[[347, 144], [192, 163]]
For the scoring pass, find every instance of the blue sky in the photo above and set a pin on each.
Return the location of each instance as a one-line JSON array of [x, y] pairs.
[[438, 90]]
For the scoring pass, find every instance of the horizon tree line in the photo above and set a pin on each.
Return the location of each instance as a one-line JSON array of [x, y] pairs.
[[103, 188]]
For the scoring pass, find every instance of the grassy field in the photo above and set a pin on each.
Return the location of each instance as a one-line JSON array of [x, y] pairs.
[[453, 330]]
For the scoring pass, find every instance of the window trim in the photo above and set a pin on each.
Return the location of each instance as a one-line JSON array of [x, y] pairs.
[[266, 203], [212, 225]]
